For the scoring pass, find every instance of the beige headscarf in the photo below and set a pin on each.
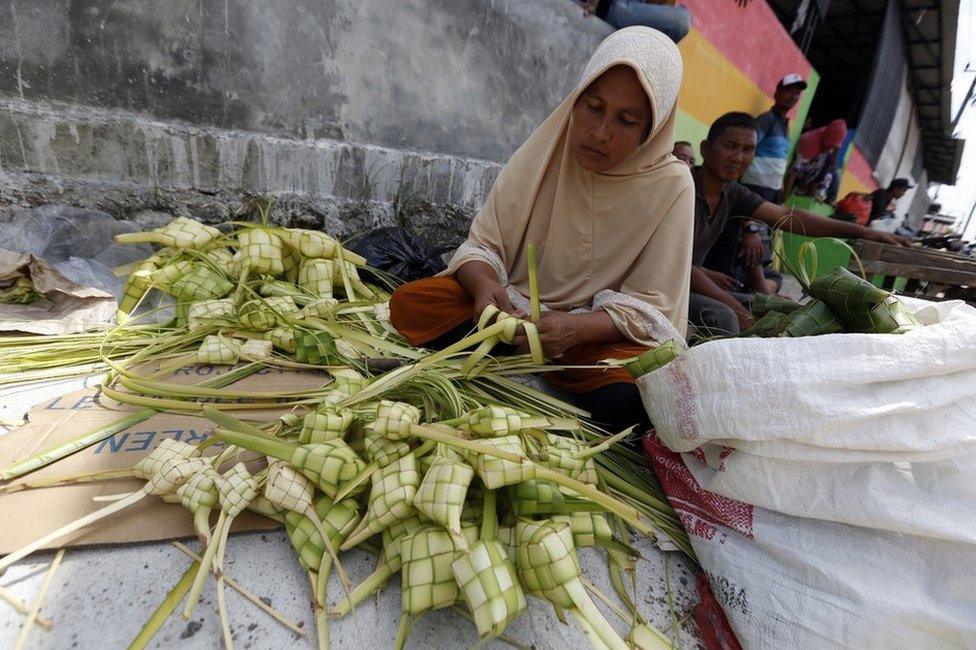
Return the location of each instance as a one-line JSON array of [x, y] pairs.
[[619, 240]]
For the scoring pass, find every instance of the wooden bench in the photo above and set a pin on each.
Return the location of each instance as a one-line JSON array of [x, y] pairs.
[[931, 274]]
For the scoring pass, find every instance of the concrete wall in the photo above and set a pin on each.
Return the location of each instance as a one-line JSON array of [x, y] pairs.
[[349, 110]]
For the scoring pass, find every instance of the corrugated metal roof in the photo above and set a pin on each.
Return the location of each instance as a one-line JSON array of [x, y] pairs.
[[929, 29], [848, 41]]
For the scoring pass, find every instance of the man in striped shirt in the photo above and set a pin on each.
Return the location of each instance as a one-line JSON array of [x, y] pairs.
[[765, 175]]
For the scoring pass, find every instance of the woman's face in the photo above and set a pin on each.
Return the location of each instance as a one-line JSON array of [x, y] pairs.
[[610, 120]]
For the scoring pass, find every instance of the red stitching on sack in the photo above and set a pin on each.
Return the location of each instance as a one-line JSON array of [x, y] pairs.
[[684, 405]]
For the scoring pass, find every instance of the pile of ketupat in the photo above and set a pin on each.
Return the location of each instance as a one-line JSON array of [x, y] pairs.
[[480, 488], [840, 302]]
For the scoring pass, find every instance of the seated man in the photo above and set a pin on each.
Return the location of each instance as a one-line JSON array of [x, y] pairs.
[[883, 200], [726, 153]]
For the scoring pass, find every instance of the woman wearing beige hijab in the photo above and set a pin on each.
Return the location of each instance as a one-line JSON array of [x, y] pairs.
[[610, 212]]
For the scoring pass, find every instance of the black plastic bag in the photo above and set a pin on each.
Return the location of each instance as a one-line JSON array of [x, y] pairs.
[[400, 253]]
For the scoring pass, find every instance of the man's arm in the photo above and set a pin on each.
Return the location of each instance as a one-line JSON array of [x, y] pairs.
[[764, 123], [701, 283], [811, 225]]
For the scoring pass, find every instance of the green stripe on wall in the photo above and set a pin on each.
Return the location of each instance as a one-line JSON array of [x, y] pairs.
[[803, 109], [690, 129]]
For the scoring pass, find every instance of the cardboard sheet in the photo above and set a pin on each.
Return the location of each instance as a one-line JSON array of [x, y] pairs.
[[30, 514]]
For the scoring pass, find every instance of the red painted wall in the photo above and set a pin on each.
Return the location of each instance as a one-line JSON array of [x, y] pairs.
[[743, 35]]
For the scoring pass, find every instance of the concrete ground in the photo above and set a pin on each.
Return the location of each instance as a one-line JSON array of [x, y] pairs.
[[101, 596]]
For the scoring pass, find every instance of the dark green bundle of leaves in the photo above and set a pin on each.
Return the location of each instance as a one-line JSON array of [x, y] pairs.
[[861, 306]]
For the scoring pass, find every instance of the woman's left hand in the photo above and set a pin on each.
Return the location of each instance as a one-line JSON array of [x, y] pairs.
[[558, 331]]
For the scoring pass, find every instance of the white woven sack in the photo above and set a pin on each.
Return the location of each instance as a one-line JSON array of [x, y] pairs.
[[859, 453]]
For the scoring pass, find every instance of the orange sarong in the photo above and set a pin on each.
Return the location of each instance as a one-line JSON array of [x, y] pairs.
[[426, 309]]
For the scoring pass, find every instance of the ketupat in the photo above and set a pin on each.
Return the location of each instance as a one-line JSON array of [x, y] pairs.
[[654, 358], [315, 276], [326, 424], [219, 350], [487, 579], [315, 244], [288, 490], [442, 492], [763, 303], [427, 556], [548, 567], [165, 469], [338, 520], [211, 312], [492, 421], [199, 495], [861, 306], [179, 233], [329, 464], [534, 498], [259, 252], [772, 323], [390, 499], [235, 490], [201, 283], [813, 319]]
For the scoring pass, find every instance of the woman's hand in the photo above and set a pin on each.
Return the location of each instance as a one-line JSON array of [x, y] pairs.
[[558, 331], [492, 293], [481, 283]]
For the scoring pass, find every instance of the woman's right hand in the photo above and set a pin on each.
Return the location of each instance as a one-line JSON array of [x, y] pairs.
[[492, 293], [481, 283]]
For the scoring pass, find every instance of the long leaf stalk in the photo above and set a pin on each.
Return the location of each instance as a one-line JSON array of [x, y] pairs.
[[23, 608], [536, 310], [74, 479], [165, 608], [164, 472], [104, 432], [38, 601]]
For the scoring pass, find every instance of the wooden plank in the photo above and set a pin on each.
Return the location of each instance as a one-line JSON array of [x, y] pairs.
[[914, 271], [869, 250], [927, 258]]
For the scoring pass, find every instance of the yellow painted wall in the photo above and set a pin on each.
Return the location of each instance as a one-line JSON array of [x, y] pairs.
[[712, 86], [850, 183]]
